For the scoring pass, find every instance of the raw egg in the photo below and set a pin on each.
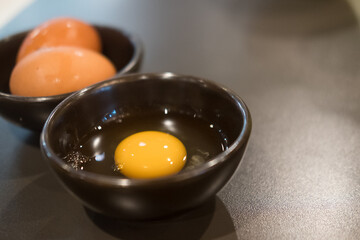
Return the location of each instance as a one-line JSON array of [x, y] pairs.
[[60, 32], [58, 70], [150, 154]]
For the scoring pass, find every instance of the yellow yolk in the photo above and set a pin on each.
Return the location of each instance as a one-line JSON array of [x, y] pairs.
[[150, 154]]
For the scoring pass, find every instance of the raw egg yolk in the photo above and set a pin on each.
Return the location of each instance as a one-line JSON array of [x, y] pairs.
[[150, 154]]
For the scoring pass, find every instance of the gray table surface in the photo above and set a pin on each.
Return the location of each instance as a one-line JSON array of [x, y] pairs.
[[297, 66]]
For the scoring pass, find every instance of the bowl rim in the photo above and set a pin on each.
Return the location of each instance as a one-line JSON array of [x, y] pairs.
[[100, 179], [131, 65]]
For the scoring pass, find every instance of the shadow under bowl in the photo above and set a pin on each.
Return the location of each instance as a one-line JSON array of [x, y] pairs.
[[139, 199], [123, 49]]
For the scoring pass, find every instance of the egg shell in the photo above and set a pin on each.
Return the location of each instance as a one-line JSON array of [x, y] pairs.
[[58, 70], [60, 32]]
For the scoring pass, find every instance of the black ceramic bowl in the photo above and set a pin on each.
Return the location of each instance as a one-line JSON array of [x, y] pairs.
[[123, 49], [145, 199]]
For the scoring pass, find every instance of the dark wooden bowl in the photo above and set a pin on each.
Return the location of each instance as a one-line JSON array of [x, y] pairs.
[[123, 49], [146, 199]]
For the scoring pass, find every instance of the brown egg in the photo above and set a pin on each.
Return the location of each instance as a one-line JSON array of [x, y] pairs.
[[60, 32], [58, 70]]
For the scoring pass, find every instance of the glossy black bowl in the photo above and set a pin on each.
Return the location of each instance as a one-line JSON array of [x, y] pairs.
[[123, 49], [146, 199]]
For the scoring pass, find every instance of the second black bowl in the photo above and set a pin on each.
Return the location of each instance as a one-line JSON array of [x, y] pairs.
[[75, 117], [123, 49]]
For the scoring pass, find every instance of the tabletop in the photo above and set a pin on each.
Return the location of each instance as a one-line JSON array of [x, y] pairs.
[[295, 63]]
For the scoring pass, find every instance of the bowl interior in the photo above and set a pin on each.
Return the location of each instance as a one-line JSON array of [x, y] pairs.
[[134, 94], [122, 49], [8, 51]]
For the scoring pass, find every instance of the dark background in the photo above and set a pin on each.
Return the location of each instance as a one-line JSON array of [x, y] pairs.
[[297, 66]]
